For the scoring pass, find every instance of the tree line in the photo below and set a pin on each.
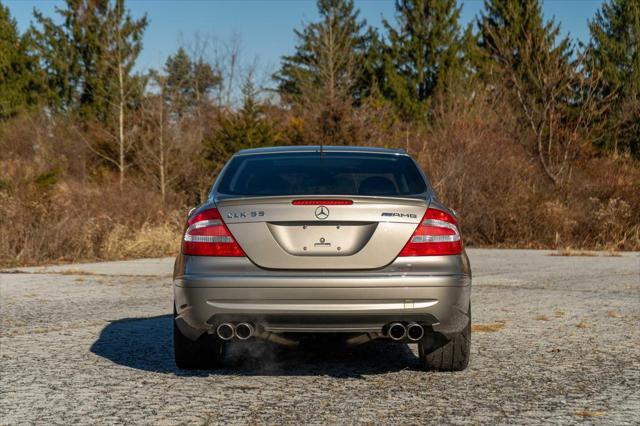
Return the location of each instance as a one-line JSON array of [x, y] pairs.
[[346, 82], [531, 136]]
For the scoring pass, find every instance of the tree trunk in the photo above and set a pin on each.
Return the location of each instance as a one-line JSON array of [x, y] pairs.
[[162, 165], [121, 119]]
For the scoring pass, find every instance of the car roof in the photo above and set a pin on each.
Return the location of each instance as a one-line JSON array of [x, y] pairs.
[[318, 148]]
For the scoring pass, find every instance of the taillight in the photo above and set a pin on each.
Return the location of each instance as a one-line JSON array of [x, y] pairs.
[[436, 235], [207, 235]]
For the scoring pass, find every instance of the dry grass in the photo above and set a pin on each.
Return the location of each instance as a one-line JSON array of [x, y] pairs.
[[471, 150], [61, 204], [69, 222], [614, 314], [584, 253], [589, 413], [583, 324], [488, 328], [570, 252], [148, 241], [72, 272], [559, 314], [542, 318]]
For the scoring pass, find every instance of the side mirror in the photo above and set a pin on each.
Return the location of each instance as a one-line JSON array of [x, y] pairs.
[[191, 210]]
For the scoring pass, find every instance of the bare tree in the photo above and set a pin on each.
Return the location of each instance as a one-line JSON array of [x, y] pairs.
[[167, 142], [225, 57], [106, 136], [558, 101], [114, 89], [121, 106]]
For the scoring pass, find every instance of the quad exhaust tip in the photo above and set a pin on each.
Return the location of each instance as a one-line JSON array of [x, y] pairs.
[[397, 331], [226, 331], [244, 330], [415, 332]]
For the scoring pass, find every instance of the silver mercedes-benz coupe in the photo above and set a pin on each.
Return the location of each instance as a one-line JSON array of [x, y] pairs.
[[300, 240]]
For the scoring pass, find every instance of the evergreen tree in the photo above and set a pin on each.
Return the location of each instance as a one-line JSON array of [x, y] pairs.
[[19, 75], [371, 76], [512, 33], [614, 53], [179, 72], [204, 79], [89, 60], [328, 54], [189, 81], [59, 61], [325, 78], [249, 127], [425, 53], [90, 56], [528, 63]]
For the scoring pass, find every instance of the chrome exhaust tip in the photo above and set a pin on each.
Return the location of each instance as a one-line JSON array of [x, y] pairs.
[[397, 331], [415, 332], [244, 330], [226, 331]]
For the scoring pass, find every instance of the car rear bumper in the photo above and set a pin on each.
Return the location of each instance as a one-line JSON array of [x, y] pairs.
[[322, 302]]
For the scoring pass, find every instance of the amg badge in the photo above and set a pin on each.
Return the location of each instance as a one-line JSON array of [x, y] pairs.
[[409, 215]]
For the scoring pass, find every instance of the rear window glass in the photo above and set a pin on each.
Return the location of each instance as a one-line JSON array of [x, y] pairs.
[[329, 173]]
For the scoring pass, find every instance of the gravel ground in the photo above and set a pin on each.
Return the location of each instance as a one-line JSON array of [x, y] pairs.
[[556, 339]]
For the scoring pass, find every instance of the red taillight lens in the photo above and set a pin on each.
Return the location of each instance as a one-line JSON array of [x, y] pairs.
[[436, 235], [322, 202], [207, 235]]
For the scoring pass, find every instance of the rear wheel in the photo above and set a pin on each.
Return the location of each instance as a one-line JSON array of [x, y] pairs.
[[446, 353], [204, 353]]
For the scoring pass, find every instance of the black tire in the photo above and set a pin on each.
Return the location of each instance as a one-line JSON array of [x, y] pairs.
[[446, 353], [203, 354]]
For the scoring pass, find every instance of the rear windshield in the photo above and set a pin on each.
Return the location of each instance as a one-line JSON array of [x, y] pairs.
[[329, 173]]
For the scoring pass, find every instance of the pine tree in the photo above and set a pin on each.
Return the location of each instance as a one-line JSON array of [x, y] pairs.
[[59, 61], [371, 76], [425, 53], [188, 81], [324, 79], [19, 75], [89, 60], [614, 56], [513, 34], [204, 79], [328, 54], [527, 62], [89, 57], [248, 127]]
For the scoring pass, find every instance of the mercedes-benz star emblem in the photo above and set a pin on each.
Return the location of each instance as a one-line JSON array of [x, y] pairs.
[[322, 212]]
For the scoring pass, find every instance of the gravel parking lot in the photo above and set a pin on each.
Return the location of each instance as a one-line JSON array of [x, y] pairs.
[[556, 339]]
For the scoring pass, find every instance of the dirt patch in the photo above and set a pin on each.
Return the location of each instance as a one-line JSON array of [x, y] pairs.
[[589, 413], [584, 253], [488, 328], [583, 324]]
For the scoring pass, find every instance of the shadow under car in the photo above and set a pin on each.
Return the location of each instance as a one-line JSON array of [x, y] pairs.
[[146, 344]]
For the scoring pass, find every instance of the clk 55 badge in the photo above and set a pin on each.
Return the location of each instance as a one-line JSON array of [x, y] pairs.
[[243, 215]]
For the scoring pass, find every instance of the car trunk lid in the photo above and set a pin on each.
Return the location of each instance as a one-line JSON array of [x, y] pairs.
[[346, 232]]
